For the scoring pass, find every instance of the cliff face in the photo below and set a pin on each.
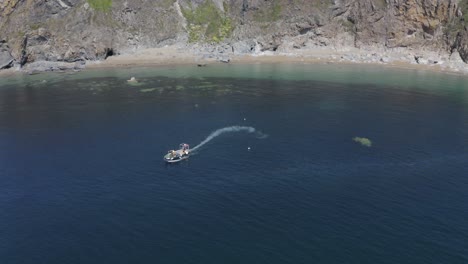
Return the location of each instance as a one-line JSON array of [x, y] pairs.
[[79, 30]]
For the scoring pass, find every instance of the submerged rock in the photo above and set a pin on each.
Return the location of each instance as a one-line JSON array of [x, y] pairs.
[[132, 80], [363, 141], [147, 90], [43, 66]]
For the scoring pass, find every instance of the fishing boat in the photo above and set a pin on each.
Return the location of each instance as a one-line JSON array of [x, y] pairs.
[[182, 153]]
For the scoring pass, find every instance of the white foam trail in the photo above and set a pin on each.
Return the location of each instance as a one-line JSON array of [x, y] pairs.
[[228, 130]]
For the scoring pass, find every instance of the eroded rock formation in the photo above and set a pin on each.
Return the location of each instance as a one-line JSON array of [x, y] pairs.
[[80, 30]]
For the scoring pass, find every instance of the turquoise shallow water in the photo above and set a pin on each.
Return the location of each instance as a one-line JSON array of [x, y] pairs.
[[83, 179]]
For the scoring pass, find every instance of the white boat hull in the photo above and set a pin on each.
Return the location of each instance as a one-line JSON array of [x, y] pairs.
[[176, 156], [175, 159]]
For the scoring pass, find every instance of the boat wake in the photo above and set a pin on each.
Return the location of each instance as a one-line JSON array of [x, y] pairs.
[[230, 129]]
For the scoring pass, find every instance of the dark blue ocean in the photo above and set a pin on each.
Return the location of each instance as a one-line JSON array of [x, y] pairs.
[[82, 179]]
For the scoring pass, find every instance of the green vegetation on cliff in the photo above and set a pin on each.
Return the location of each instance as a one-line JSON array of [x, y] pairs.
[[458, 24], [88, 29], [380, 3], [269, 15], [100, 5], [464, 9], [167, 3], [206, 22]]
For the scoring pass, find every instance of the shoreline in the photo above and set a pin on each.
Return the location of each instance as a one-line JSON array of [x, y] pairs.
[[176, 56], [312, 56]]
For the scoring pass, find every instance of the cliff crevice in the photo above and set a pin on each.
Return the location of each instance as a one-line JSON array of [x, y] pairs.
[[82, 30]]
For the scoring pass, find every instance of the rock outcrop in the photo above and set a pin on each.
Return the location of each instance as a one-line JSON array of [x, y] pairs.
[[6, 60], [461, 44], [82, 30]]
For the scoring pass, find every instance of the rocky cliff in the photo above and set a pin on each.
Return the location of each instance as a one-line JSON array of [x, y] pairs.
[[81, 30]]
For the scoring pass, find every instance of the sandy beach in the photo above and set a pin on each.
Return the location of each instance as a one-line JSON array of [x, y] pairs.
[[181, 55], [173, 55]]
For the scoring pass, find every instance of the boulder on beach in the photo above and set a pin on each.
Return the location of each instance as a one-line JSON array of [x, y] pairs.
[[6, 60]]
